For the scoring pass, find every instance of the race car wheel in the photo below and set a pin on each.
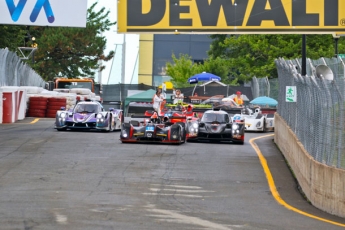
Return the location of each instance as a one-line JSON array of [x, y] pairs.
[[184, 127], [264, 129], [180, 138], [110, 124], [63, 129]]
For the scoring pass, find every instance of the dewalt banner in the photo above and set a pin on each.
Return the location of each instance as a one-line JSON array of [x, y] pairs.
[[231, 16]]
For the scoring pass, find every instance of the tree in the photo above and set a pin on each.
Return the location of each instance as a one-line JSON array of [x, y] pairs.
[[183, 68], [12, 37], [73, 52], [254, 55]]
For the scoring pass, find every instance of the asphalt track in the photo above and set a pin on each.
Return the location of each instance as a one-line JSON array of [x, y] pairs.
[[76, 180]]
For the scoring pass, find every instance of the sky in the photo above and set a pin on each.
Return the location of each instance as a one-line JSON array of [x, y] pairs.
[[113, 71]]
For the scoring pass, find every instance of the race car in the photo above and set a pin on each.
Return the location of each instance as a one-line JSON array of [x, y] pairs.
[[178, 113], [215, 126], [255, 120], [88, 115], [153, 129]]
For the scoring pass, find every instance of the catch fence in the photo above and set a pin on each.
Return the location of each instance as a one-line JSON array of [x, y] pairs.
[[317, 116], [14, 72]]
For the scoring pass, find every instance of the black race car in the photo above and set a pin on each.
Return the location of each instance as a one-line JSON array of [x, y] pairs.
[[153, 129], [216, 126]]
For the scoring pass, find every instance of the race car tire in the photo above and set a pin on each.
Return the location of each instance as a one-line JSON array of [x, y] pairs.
[[62, 129], [183, 125], [264, 129], [110, 124]]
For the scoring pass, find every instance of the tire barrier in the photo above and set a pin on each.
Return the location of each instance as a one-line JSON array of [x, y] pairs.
[[37, 106], [55, 104], [16, 103]]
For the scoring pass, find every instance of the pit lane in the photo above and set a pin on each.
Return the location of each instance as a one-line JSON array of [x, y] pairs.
[[90, 180]]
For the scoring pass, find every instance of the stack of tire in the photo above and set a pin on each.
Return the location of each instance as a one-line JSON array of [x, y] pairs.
[[55, 104], [37, 106]]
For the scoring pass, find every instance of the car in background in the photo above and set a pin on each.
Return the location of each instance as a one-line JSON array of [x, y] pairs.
[[216, 126], [255, 120], [88, 115]]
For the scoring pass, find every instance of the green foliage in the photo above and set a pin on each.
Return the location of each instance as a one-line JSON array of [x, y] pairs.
[[254, 55], [181, 69], [12, 37], [238, 58], [72, 52]]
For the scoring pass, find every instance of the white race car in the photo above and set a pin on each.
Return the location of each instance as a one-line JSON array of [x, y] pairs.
[[255, 120]]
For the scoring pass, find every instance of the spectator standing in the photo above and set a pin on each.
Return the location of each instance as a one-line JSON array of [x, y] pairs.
[[238, 98], [178, 97], [157, 99]]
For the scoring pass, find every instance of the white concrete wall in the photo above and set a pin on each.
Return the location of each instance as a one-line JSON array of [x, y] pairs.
[[322, 185]]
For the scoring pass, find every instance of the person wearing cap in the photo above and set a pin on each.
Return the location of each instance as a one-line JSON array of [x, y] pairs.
[[238, 98]]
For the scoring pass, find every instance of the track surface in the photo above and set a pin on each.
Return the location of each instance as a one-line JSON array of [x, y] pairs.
[[89, 180]]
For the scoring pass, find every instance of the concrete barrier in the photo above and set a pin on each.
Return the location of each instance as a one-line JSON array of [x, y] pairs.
[[321, 184], [9, 104], [13, 104]]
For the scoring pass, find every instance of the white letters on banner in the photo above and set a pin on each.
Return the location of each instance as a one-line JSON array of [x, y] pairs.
[[65, 13]]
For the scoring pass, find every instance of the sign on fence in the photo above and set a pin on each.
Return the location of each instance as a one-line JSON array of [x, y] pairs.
[[291, 94]]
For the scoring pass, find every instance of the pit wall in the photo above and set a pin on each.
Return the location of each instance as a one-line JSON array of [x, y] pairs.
[[324, 186]]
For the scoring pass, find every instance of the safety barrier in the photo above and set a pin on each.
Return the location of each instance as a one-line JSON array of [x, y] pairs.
[[13, 105], [323, 185]]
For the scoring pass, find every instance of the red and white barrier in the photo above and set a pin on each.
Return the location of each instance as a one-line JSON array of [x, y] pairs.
[[13, 105]]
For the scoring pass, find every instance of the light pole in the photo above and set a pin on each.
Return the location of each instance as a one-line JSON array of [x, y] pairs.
[[336, 39]]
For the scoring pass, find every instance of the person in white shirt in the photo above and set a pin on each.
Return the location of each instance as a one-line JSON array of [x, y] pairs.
[[157, 99], [178, 97]]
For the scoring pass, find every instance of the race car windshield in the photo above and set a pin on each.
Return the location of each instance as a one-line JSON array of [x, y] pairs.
[[89, 108], [210, 117]]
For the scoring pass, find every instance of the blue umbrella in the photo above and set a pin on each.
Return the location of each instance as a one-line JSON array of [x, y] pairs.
[[203, 77], [268, 101]]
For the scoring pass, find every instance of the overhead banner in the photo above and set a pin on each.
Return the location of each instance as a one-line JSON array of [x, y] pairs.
[[64, 13], [231, 16]]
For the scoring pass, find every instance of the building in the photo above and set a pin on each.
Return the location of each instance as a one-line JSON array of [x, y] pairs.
[[157, 49]]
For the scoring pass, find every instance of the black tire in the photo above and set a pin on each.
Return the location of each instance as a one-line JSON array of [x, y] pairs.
[[264, 129], [62, 129], [110, 123]]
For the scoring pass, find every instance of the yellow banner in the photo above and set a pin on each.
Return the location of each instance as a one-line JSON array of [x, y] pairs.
[[231, 16]]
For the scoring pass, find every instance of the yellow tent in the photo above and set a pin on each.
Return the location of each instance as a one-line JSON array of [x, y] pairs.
[[168, 85]]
